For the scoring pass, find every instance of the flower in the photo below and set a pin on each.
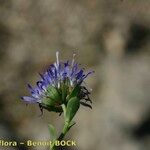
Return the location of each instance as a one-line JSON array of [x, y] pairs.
[[61, 81]]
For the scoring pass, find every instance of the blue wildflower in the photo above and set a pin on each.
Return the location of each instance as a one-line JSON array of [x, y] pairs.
[[61, 81]]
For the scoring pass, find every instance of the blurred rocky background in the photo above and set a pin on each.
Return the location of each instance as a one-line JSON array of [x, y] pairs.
[[111, 37]]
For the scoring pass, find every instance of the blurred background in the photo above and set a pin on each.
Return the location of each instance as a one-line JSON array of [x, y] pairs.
[[111, 37]]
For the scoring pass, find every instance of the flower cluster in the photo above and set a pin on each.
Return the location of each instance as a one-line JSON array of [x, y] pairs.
[[61, 82]]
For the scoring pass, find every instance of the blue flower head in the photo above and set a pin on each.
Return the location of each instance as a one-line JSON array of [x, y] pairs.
[[61, 82]]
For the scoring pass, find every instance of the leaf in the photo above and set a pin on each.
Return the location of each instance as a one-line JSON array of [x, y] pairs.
[[51, 108], [64, 110], [48, 102], [68, 126], [53, 94], [85, 104], [64, 90], [72, 108], [75, 92], [53, 132], [71, 125], [52, 101]]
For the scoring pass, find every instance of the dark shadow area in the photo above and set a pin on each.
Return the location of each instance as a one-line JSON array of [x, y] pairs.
[[139, 36], [143, 129]]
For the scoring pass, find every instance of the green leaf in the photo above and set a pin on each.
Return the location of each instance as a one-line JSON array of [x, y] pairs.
[[51, 108], [52, 102], [53, 132], [72, 108], [64, 110], [86, 105], [71, 125], [64, 90], [53, 94], [48, 102], [75, 92]]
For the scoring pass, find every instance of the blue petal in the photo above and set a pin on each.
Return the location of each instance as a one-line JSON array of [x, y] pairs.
[[41, 85], [74, 70], [80, 74], [30, 88], [85, 76], [29, 99], [66, 63], [42, 76]]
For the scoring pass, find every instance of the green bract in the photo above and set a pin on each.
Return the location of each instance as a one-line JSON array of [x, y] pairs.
[[72, 108]]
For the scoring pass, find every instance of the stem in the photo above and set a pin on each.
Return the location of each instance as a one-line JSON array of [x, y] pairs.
[[64, 132], [62, 135]]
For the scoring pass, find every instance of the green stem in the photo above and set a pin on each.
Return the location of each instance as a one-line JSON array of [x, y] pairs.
[[64, 132], [62, 135]]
